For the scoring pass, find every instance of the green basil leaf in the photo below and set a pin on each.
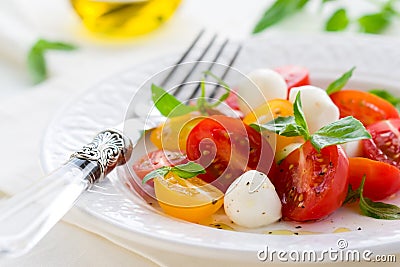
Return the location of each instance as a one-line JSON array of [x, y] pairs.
[[374, 23], [36, 61], [188, 170], [338, 21], [279, 10], [378, 210], [339, 132], [285, 126], [326, 1], [288, 126], [167, 104], [161, 172], [338, 84], [300, 118], [352, 195], [47, 45], [37, 65]]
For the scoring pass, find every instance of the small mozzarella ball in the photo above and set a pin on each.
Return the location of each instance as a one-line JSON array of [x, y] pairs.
[[353, 149], [260, 86], [251, 200], [318, 107]]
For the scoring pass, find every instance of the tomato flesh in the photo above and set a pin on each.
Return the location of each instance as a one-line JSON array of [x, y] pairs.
[[312, 184], [381, 179], [294, 76], [172, 134], [227, 147], [232, 101], [364, 106], [157, 159], [188, 199], [385, 142]]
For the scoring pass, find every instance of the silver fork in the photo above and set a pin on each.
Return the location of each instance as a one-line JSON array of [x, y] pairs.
[[26, 217]]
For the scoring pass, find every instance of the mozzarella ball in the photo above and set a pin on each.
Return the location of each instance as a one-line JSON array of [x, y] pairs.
[[251, 200], [260, 86], [353, 149], [318, 107]]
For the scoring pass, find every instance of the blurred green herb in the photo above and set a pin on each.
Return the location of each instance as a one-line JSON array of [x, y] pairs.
[[36, 61], [339, 21], [377, 22], [279, 10]]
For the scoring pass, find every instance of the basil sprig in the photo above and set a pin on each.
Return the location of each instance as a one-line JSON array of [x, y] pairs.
[[339, 132], [185, 171], [339, 83], [374, 209], [169, 106]]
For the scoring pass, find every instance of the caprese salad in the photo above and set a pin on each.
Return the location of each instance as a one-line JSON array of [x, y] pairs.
[[297, 154]]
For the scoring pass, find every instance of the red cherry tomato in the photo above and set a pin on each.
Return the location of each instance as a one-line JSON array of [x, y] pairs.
[[381, 181], [312, 185], [157, 159], [385, 142], [227, 148], [294, 76], [364, 106]]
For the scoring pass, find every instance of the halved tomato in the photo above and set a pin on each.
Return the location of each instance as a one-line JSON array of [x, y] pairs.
[[227, 147], [364, 106], [312, 184], [188, 199], [172, 134], [294, 76], [385, 142], [157, 159], [381, 181]]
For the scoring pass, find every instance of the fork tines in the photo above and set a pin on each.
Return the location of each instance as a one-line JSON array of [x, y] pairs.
[[205, 53]]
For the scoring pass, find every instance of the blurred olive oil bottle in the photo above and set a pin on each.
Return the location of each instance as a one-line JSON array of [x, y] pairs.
[[124, 18]]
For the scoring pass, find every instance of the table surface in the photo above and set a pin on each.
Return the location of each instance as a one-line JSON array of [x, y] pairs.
[[68, 245]]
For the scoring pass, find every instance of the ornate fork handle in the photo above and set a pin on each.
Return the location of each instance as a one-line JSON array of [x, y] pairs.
[[29, 215], [109, 148]]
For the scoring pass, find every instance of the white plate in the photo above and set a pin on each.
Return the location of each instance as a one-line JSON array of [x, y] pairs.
[[326, 56]]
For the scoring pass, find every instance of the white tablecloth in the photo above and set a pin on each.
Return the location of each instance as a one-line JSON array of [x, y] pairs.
[[25, 110]]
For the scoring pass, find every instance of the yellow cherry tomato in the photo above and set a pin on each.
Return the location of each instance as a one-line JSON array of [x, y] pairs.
[[172, 134], [268, 112], [189, 199]]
